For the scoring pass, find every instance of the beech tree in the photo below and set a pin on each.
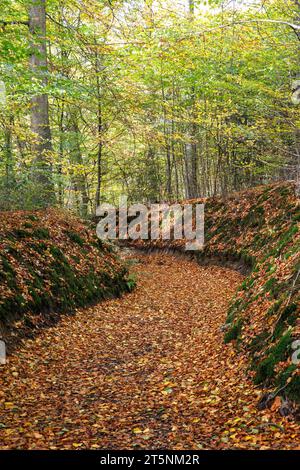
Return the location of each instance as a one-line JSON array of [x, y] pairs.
[[40, 125], [159, 101]]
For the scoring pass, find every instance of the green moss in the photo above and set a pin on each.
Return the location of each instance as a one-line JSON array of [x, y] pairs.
[[131, 282], [258, 342], [57, 253], [41, 233], [20, 233], [285, 239], [235, 307], [14, 252], [279, 352], [255, 217], [269, 285], [274, 287], [11, 306], [271, 268], [293, 389], [55, 284], [32, 217], [275, 307], [7, 273], [7, 267], [248, 283], [98, 244], [285, 375], [288, 317], [234, 332], [74, 237], [284, 191], [288, 313], [37, 300], [248, 259]]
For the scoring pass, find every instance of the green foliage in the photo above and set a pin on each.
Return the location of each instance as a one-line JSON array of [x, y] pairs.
[[131, 102]]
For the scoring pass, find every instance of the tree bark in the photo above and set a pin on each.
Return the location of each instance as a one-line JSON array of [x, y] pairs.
[[191, 150], [99, 131], [79, 178], [40, 126], [192, 7]]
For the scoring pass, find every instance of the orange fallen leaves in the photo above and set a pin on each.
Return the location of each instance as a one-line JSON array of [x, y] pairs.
[[96, 379]]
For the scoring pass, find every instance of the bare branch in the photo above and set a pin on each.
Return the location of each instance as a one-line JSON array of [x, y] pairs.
[[294, 26]]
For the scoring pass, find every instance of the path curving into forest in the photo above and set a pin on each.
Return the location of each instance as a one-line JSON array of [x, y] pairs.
[[148, 370]]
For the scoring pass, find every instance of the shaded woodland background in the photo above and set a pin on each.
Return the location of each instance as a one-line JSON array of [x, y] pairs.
[[160, 100]]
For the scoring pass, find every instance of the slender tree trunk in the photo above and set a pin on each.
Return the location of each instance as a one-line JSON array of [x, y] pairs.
[[40, 126], [167, 143], [194, 155], [192, 7], [297, 132], [9, 165], [187, 158], [61, 156], [173, 150], [79, 178], [99, 165], [191, 151], [99, 133]]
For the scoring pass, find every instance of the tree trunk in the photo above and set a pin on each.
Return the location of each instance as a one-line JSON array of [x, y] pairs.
[[99, 132], [9, 164], [297, 132], [167, 143], [40, 126], [61, 156], [192, 7], [192, 146], [79, 178]]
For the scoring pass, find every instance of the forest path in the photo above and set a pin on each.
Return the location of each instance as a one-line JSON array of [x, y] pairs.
[[149, 370]]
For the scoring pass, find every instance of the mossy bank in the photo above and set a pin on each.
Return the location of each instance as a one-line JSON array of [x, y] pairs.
[[50, 263], [260, 229]]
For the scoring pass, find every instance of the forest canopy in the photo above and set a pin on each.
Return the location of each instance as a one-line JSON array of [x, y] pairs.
[[158, 100]]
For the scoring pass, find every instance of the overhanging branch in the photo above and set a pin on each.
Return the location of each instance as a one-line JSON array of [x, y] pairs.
[[293, 26], [14, 23]]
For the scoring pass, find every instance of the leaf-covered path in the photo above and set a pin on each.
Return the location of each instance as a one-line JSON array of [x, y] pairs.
[[149, 370]]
